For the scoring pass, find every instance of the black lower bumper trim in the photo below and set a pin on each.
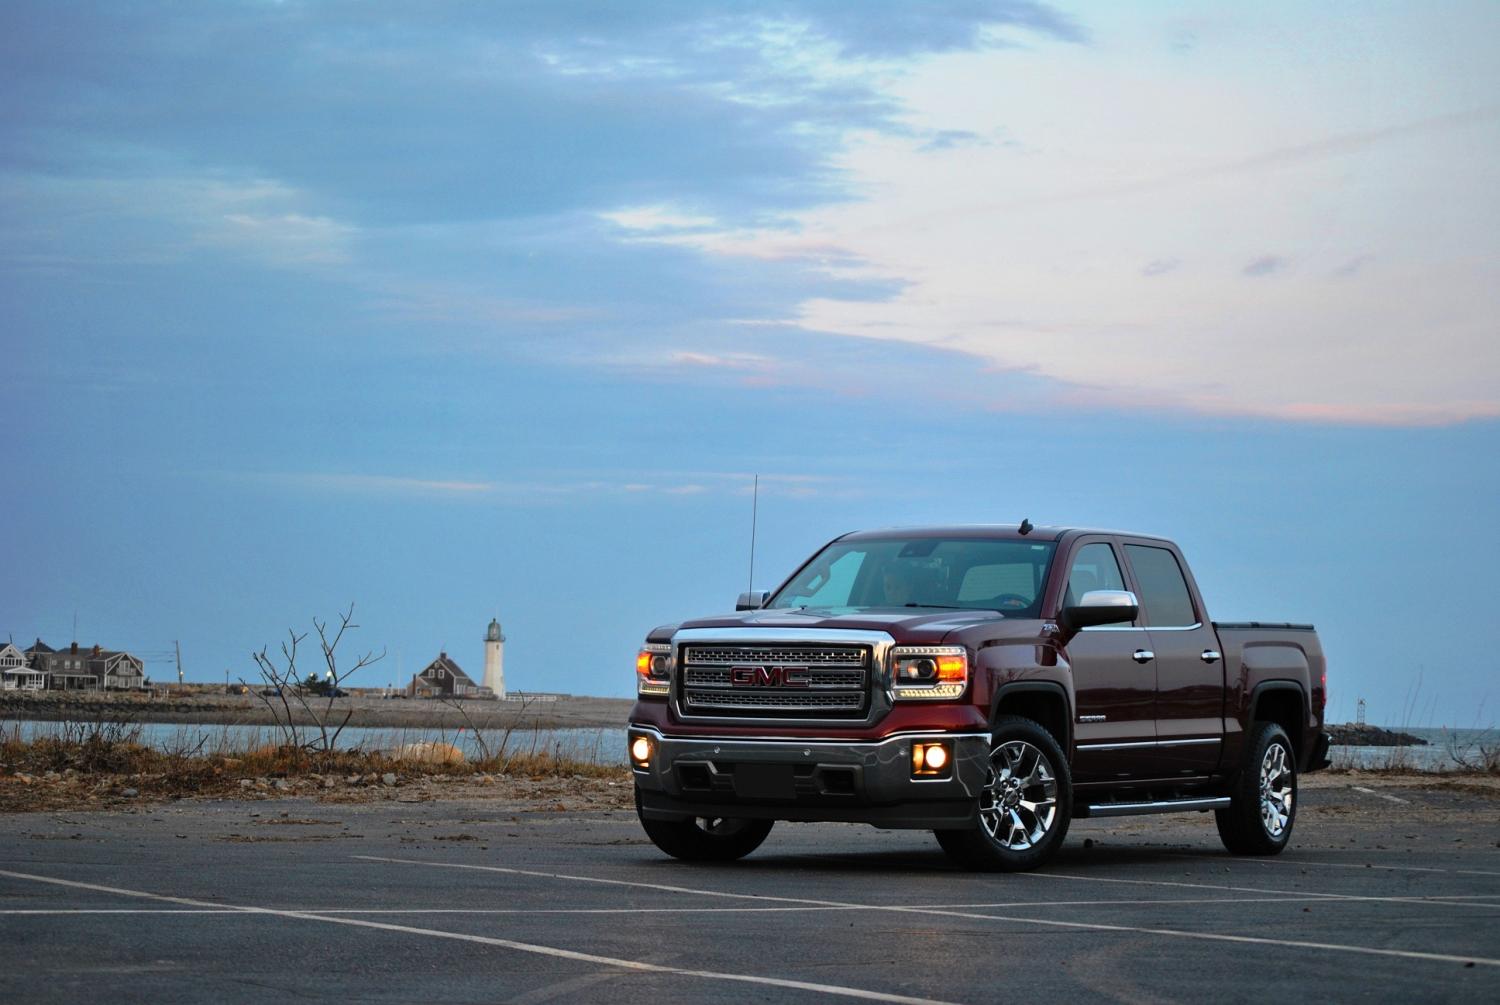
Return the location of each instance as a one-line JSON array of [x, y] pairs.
[[925, 815]]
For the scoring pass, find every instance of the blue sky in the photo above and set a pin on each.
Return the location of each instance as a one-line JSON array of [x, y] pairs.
[[455, 310]]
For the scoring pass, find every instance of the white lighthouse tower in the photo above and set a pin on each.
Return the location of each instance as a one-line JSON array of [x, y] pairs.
[[494, 659]]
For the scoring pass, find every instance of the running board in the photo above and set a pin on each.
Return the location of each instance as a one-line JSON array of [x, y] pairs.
[[1162, 806]]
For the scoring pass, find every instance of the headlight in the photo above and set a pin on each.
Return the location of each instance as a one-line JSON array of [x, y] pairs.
[[929, 673], [653, 670]]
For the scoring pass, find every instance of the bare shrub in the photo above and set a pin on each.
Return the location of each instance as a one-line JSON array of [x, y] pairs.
[[284, 694]]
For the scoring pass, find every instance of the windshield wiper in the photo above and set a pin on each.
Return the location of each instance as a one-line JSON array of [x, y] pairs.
[[951, 607]]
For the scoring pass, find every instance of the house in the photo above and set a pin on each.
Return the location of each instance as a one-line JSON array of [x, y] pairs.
[[443, 678], [16, 673], [66, 669], [92, 669], [118, 671]]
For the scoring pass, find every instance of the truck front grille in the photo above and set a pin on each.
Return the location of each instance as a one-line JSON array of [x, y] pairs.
[[826, 682]]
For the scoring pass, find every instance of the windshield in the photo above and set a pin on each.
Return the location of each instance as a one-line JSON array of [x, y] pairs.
[[967, 573]]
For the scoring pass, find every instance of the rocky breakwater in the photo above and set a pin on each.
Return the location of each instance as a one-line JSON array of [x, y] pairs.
[[1351, 734]]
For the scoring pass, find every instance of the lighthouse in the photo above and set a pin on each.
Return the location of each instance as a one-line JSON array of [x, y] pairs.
[[494, 659]]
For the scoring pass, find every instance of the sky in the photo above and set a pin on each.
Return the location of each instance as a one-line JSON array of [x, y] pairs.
[[462, 310]]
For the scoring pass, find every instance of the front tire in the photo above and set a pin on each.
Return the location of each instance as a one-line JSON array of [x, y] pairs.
[[1025, 806], [1263, 802], [705, 839]]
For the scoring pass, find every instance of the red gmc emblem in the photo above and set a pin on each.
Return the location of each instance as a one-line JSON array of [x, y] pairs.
[[769, 677]]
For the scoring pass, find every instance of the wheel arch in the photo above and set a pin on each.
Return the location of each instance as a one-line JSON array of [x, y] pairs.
[[1283, 702], [1043, 702]]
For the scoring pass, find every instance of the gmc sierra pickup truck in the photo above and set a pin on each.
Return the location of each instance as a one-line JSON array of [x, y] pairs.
[[986, 683]]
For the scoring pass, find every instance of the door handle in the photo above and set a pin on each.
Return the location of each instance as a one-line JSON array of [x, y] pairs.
[[1143, 656], [1212, 656]]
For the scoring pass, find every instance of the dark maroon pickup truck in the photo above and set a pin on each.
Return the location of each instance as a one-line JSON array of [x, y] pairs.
[[986, 683]]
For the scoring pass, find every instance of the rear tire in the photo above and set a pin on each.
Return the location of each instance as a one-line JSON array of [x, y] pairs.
[[705, 839], [1025, 806], [1263, 800]]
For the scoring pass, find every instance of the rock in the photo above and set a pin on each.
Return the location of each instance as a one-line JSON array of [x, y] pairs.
[[24, 778], [352, 779], [1354, 734], [52, 776], [328, 783], [246, 783], [129, 793], [282, 785], [388, 779]]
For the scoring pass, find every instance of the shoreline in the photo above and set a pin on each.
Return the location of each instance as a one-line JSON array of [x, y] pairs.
[[566, 712]]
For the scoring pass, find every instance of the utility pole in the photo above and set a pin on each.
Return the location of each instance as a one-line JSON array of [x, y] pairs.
[[177, 648]]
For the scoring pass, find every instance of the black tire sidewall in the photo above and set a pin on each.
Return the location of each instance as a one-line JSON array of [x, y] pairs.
[[976, 848], [1241, 826]]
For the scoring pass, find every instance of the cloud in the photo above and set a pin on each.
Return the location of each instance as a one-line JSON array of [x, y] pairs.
[[286, 239], [554, 487], [1161, 266], [656, 219], [1265, 265]]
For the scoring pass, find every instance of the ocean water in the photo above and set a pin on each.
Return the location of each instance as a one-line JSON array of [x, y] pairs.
[[592, 745], [1446, 750]]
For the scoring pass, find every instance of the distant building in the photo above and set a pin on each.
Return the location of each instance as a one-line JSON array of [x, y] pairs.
[[92, 669], [494, 659], [443, 678], [16, 673]]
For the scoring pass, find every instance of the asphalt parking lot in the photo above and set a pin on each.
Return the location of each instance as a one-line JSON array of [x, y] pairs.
[[1389, 892]]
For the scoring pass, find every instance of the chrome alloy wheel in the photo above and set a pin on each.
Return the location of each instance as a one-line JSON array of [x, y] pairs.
[[1275, 790], [1019, 799]]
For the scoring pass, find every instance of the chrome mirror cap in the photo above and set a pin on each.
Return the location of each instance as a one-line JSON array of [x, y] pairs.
[[1109, 598], [1100, 607]]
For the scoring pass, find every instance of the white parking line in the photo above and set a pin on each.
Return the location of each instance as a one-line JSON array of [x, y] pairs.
[[424, 910], [1380, 795], [1044, 922], [1275, 894], [1354, 897], [523, 947], [1351, 865]]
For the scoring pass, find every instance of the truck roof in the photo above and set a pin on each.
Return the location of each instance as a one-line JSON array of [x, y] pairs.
[[996, 531]]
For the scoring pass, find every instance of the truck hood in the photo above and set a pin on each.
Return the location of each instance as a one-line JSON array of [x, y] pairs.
[[906, 626]]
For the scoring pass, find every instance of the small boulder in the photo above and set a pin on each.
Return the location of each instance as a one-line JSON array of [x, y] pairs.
[[388, 779], [130, 793]]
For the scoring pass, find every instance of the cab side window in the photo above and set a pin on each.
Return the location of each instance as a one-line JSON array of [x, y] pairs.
[[1165, 600], [1094, 568]]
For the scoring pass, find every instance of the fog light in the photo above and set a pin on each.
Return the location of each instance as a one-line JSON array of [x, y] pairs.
[[930, 760], [640, 752]]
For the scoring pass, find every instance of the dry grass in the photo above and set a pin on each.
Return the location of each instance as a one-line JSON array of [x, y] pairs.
[[104, 762]]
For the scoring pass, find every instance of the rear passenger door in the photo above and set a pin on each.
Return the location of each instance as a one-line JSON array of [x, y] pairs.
[[1115, 694], [1189, 668]]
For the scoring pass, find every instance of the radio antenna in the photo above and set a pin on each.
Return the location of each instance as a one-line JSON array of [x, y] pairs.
[[754, 513]]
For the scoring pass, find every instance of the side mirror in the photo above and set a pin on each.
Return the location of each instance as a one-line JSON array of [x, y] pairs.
[[752, 601], [1100, 607]]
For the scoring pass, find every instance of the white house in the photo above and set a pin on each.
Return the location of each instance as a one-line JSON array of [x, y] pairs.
[[16, 674]]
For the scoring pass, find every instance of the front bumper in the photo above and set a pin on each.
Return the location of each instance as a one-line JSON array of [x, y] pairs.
[[795, 779]]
